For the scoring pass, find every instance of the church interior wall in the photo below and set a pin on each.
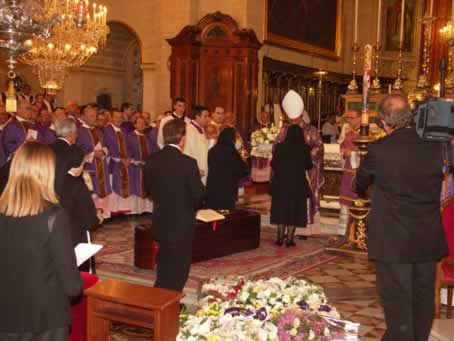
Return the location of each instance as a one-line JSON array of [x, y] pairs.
[[154, 21]]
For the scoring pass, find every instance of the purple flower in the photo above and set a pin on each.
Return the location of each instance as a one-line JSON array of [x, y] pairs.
[[232, 311], [325, 308], [261, 314], [248, 312], [303, 305]]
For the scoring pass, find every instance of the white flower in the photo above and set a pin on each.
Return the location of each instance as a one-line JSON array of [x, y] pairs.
[[311, 335], [296, 323], [293, 332]]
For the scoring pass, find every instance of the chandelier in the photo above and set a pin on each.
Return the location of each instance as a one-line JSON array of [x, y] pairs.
[[80, 32], [21, 20]]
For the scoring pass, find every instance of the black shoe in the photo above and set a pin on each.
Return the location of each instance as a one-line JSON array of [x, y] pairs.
[[290, 243], [279, 242]]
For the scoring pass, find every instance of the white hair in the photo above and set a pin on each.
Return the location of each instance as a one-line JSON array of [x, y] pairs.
[[65, 127]]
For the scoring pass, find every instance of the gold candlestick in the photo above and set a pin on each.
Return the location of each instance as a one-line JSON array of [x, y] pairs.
[[353, 86], [376, 85], [398, 83]]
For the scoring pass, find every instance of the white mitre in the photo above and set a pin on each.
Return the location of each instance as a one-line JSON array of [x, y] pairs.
[[293, 105]]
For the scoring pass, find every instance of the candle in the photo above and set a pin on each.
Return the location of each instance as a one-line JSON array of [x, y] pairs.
[[452, 12], [356, 22], [402, 20], [378, 22], [431, 11]]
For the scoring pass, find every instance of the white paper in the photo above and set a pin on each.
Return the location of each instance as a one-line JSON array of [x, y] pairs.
[[208, 216], [85, 251], [32, 134]]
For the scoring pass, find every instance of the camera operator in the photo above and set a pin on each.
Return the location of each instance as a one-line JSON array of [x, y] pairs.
[[405, 235]]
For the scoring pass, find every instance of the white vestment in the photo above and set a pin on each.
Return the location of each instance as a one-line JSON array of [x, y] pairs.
[[196, 146]]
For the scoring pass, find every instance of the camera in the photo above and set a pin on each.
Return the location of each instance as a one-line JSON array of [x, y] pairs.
[[435, 120]]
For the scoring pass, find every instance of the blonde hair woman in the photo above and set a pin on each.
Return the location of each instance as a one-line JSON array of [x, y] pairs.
[[39, 272]]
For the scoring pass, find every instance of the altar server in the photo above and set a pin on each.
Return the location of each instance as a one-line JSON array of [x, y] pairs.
[[179, 108], [173, 180], [196, 145]]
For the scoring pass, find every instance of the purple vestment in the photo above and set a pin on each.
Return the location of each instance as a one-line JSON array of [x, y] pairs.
[[13, 135], [139, 149], [115, 141], [87, 139]]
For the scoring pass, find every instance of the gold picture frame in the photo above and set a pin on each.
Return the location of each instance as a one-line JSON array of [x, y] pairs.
[[300, 45]]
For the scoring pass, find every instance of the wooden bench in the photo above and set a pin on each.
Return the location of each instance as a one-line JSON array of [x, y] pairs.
[[137, 305], [239, 232]]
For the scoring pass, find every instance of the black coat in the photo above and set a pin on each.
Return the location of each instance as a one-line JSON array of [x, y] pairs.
[[173, 180], [404, 222], [39, 273], [72, 192], [67, 157], [225, 169], [289, 186]]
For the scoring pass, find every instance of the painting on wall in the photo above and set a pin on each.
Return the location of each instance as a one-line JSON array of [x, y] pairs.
[[299, 25], [393, 15]]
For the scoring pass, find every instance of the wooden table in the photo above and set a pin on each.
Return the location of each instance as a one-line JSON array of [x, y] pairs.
[[137, 305], [239, 232]]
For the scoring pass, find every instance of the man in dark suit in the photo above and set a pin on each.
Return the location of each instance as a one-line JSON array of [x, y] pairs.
[[405, 235], [70, 187], [173, 180]]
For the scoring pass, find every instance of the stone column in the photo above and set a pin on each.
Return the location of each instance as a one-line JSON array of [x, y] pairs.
[[150, 88]]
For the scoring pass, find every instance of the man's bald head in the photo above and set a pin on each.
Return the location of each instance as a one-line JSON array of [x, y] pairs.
[[395, 111]]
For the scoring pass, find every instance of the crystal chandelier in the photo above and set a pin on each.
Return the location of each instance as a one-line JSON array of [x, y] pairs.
[[79, 33], [21, 20]]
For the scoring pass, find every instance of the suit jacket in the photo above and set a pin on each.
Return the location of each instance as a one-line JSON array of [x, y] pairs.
[[67, 157], [72, 191], [173, 181], [404, 222], [39, 272]]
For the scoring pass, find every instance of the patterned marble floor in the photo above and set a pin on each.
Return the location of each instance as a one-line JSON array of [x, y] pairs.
[[349, 282]]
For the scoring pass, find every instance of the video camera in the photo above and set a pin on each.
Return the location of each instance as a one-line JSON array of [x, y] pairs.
[[435, 118]]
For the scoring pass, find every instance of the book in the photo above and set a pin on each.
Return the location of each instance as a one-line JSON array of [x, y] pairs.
[[208, 216], [85, 251]]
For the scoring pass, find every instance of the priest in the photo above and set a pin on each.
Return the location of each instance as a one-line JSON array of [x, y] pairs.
[[291, 106], [179, 108], [91, 141], [16, 131], [139, 149], [115, 134]]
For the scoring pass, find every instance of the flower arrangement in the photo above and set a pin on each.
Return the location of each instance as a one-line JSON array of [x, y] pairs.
[[262, 141], [239, 309]]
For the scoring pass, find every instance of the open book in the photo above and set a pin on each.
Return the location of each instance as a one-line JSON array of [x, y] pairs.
[[208, 216], [84, 251]]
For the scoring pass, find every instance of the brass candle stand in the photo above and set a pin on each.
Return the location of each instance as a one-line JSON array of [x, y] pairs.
[[398, 83], [354, 241], [376, 86], [353, 86]]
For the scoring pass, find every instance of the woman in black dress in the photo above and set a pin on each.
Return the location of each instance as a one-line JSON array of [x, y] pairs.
[[39, 272], [225, 169], [289, 186]]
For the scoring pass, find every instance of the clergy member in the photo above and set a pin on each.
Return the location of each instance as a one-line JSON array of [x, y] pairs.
[[196, 145], [349, 151], [128, 112], [139, 149], [179, 108], [26, 94], [45, 127], [91, 141], [314, 140], [115, 140], [16, 131]]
